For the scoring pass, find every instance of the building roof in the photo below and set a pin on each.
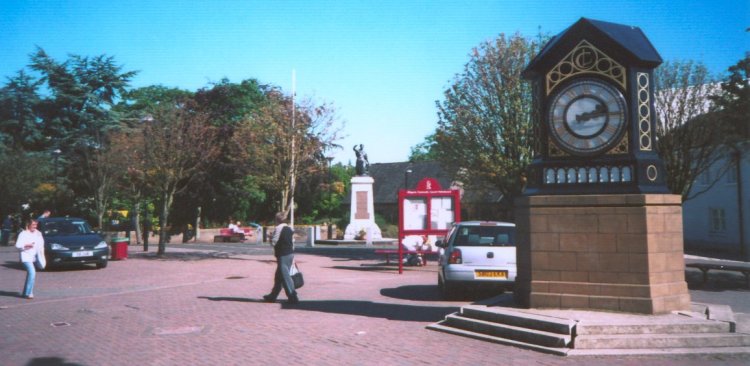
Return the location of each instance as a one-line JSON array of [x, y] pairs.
[[625, 41], [390, 177]]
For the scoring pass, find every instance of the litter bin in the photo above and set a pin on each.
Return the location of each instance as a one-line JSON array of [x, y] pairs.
[[119, 248]]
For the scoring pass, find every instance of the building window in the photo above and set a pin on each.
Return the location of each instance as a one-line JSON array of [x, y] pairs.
[[717, 220]]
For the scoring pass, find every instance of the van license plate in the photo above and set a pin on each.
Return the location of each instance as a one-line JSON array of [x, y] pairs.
[[86, 253], [500, 275]]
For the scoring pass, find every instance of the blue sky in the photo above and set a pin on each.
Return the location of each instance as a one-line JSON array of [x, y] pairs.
[[383, 64]]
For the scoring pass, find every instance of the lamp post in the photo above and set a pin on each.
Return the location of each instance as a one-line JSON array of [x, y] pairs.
[[56, 153], [406, 178], [330, 226]]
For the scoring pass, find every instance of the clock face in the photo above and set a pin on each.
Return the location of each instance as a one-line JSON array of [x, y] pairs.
[[587, 117]]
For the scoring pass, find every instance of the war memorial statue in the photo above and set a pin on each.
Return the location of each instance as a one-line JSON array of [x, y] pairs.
[[363, 165], [362, 211]]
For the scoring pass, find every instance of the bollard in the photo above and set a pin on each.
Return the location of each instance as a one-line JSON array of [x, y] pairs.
[[368, 237], [310, 241]]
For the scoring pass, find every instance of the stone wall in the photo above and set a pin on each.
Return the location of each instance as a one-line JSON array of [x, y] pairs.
[[607, 252]]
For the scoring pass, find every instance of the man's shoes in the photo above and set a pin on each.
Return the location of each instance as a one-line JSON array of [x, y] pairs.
[[294, 299], [269, 298]]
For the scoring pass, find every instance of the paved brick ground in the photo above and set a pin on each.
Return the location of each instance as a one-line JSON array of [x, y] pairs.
[[202, 307]]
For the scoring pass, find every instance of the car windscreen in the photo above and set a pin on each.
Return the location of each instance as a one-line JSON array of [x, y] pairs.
[[474, 236], [52, 228]]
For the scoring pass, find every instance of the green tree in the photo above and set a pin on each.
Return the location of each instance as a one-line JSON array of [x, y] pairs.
[[137, 108], [136, 105], [78, 116], [425, 151], [279, 155], [229, 103], [234, 189], [19, 99], [23, 173], [485, 131], [687, 137], [179, 145], [733, 102]]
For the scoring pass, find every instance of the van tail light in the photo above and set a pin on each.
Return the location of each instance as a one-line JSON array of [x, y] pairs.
[[455, 257]]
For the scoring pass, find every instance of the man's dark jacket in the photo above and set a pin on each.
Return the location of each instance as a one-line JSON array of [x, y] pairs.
[[285, 245]]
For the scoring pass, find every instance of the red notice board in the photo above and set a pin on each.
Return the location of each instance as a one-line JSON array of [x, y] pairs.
[[428, 211]]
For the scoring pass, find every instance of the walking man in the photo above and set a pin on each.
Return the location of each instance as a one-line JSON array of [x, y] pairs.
[[283, 250]]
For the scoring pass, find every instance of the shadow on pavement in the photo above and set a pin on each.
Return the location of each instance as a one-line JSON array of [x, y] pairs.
[[717, 281], [188, 256], [225, 298], [341, 254], [375, 310], [431, 293], [355, 307], [13, 265], [384, 267], [413, 292], [51, 361], [368, 268], [11, 293]]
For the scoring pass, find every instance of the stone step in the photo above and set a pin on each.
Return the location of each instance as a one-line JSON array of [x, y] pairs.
[[652, 341], [560, 351], [520, 334], [519, 319], [660, 351], [597, 333], [688, 326]]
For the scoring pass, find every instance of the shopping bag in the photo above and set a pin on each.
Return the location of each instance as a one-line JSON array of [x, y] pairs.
[[296, 275]]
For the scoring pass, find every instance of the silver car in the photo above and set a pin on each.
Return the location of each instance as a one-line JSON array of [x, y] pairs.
[[477, 254]]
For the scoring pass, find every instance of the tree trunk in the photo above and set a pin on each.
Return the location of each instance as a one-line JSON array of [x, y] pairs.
[[197, 227], [137, 221], [163, 224], [99, 219]]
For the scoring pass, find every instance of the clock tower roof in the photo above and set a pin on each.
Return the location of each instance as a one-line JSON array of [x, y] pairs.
[[624, 42]]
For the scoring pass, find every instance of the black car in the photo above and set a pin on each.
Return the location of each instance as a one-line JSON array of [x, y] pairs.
[[70, 240]]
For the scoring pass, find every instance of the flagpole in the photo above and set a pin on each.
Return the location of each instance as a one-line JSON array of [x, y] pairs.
[[294, 168]]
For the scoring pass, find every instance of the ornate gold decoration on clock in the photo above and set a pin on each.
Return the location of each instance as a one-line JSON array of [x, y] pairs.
[[644, 112], [621, 147], [652, 173], [583, 59], [553, 150]]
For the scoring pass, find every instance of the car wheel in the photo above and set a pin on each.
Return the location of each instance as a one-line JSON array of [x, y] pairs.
[[102, 264], [448, 291]]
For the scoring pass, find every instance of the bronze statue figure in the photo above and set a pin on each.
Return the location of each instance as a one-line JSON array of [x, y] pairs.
[[363, 165]]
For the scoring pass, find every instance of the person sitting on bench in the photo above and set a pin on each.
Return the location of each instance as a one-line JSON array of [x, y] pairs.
[[237, 230], [412, 243]]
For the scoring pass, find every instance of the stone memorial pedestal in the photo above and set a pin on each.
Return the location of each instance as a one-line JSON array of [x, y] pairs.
[[362, 211], [602, 252]]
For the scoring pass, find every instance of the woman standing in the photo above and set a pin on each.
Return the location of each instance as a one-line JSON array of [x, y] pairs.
[[31, 244]]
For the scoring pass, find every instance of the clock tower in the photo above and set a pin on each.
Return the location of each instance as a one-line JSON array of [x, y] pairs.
[[593, 90], [597, 227]]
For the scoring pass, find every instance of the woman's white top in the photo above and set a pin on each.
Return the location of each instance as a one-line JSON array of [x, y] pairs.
[[28, 237]]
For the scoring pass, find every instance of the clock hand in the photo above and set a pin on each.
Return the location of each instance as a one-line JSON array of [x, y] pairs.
[[599, 111]]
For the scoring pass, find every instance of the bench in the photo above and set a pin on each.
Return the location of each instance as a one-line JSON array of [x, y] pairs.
[[705, 266], [389, 252], [229, 236]]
